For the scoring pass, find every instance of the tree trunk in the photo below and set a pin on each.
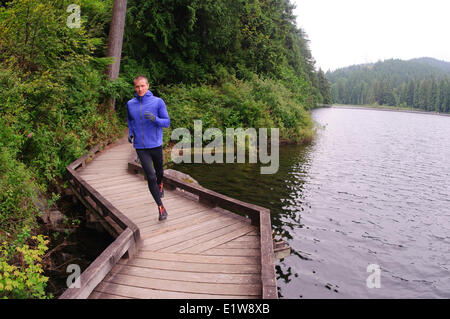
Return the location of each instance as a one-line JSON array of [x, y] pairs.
[[116, 39]]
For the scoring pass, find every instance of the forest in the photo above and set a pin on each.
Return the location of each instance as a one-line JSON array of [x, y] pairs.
[[422, 83], [229, 63]]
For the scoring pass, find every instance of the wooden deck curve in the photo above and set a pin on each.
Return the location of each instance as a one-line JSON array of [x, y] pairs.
[[202, 250]]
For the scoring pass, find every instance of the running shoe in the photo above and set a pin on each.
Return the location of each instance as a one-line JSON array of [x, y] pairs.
[[162, 212]]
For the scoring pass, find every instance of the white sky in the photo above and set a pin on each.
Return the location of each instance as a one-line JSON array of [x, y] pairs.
[[346, 32]]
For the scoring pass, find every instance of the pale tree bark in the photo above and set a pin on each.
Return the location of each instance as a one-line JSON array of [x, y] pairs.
[[116, 39]]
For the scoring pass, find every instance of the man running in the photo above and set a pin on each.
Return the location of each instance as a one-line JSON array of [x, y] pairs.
[[146, 116]]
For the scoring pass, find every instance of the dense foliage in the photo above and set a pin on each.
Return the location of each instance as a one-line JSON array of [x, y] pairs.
[[209, 42], [238, 104], [51, 93], [419, 83], [25, 279]]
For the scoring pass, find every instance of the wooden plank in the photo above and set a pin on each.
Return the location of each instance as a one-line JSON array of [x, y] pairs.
[[187, 276], [174, 200], [109, 172], [145, 217], [192, 267], [111, 155], [247, 238], [227, 212], [106, 172], [118, 164], [165, 240], [141, 214], [118, 159], [93, 178], [105, 156], [102, 295], [130, 205], [125, 187], [142, 220], [120, 149], [142, 293], [268, 279], [128, 200], [219, 240], [241, 244], [209, 224], [174, 224], [185, 286], [128, 179], [89, 176], [123, 156], [105, 169], [142, 203], [109, 175], [173, 203], [170, 202], [188, 243], [129, 188], [118, 152], [233, 252], [125, 197], [231, 260], [108, 182], [133, 200]]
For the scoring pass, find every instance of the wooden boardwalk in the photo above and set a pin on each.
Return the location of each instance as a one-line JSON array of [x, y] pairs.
[[199, 251]]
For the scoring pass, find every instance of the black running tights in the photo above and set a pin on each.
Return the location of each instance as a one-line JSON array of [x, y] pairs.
[[147, 156]]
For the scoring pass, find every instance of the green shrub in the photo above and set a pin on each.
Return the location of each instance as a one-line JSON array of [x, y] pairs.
[[21, 273], [256, 103], [17, 189], [53, 108]]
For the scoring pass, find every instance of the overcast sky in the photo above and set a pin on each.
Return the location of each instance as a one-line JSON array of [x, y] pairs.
[[346, 32]]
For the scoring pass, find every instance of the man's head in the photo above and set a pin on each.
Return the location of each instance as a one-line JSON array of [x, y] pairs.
[[141, 85]]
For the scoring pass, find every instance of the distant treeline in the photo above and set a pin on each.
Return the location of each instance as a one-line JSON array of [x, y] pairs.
[[419, 83]]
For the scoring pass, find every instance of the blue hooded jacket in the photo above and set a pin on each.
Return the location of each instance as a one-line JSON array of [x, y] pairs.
[[147, 134]]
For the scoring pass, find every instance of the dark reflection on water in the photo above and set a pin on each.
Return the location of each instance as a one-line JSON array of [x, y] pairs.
[[373, 189]]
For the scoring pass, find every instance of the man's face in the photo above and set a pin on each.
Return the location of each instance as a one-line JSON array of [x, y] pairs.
[[141, 87]]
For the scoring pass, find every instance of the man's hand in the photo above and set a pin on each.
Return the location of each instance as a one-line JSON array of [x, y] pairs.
[[149, 116], [130, 138]]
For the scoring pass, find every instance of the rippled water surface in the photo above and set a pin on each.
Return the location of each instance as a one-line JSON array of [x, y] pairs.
[[374, 188]]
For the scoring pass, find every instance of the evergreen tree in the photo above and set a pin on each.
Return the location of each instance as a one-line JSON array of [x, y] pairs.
[[409, 98], [324, 87]]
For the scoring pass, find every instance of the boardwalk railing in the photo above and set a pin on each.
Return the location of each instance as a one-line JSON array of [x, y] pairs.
[[259, 216], [126, 233]]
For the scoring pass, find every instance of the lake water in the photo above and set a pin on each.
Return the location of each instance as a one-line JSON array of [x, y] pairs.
[[373, 189]]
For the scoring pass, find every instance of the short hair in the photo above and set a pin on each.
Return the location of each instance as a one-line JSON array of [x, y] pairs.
[[140, 77]]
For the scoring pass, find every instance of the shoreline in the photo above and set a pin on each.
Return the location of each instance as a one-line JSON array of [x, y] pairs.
[[381, 109]]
